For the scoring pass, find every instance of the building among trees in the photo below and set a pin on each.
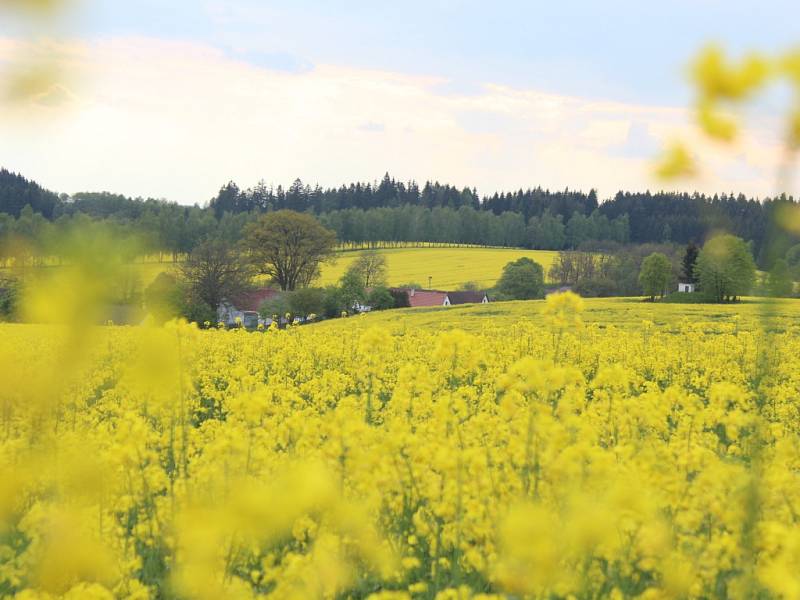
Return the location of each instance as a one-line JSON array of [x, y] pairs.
[[467, 297], [414, 298], [243, 309]]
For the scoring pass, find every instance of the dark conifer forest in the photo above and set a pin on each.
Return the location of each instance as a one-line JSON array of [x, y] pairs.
[[391, 212]]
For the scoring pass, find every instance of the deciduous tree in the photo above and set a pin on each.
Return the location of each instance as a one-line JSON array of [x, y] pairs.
[[370, 267], [779, 280], [522, 279], [214, 272], [725, 268], [289, 247], [352, 290], [655, 275]]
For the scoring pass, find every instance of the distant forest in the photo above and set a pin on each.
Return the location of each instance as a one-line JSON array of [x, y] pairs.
[[391, 211]]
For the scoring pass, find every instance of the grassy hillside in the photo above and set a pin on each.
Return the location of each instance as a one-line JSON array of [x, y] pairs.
[[625, 313], [448, 268]]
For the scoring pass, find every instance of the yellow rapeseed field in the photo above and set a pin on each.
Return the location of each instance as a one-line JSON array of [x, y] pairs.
[[551, 449], [448, 268]]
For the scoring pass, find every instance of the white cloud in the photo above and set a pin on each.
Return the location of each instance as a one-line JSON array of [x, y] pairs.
[[178, 119]]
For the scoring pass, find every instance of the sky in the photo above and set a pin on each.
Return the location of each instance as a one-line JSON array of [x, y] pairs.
[[174, 102]]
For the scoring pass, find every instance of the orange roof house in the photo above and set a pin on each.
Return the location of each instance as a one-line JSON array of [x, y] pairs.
[[416, 298], [253, 299], [244, 308]]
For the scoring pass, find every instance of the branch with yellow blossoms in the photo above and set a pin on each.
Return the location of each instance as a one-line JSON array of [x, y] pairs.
[[722, 88]]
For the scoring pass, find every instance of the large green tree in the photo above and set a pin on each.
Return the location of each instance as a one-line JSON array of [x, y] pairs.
[[655, 275], [289, 247], [725, 268], [522, 279]]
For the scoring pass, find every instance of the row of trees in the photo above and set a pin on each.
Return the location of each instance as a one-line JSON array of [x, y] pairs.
[[303, 198], [723, 269], [662, 217], [392, 193], [389, 210], [171, 231], [166, 231], [613, 272], [467, 225]]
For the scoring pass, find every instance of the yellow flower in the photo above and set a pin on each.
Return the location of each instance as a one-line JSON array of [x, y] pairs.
[[714, 124], [716, 78], [564, 310]]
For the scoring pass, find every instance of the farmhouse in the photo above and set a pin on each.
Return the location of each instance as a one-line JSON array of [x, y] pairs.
[[410, 297], [418, 298], [414, 298], [244, 308]]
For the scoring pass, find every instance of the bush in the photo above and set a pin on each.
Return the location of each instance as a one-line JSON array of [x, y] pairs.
[[380, 299], [596, 288], [333, 302], [197, 311], [307, 301], [400, 298], [522, 279], [275, 307], [685, 298]]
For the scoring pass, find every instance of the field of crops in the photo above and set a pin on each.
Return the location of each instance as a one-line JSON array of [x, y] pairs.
[[548, 449], [603, 313], [448, 268]]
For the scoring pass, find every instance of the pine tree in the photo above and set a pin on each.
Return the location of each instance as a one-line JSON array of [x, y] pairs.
[[689, 261]]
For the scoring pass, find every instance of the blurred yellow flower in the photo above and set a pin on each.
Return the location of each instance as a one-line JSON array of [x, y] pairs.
[[676, 162], [716, 78]]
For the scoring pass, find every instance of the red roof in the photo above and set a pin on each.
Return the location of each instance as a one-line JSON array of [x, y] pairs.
[[426, 298], [252, 300]]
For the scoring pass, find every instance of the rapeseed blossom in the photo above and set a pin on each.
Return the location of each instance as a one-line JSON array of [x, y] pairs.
[[558, 458]]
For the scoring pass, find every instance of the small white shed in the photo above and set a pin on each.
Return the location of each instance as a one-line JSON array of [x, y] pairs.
[[686, 288]]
